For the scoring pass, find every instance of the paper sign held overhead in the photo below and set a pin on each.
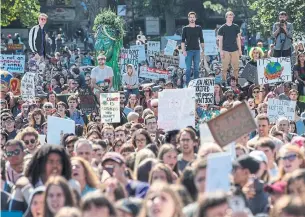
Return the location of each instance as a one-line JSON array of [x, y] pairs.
[[210, 46], [231, 125], [153, 47], [12, 63], [204, 88], [57, 127], [129, 56], [281, 108], [170, 47], [274, 70], [110, 107], [27, 88]]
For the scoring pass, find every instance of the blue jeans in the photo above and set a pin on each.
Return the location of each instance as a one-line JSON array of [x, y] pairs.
[[192, 56]]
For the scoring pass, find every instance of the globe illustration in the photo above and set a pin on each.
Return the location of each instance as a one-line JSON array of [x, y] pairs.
[[273, 70]]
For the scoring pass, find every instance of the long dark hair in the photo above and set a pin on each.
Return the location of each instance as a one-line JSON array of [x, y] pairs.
[[36, 166], [144, 133]]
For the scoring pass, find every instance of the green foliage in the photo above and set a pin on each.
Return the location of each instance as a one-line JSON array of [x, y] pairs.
[[109, 18], [25, 10], [155, 7]]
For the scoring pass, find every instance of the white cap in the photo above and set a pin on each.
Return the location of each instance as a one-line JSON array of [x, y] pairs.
[[259, 155]]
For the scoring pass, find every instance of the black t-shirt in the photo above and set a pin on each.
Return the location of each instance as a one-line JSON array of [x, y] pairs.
[[229, 33], [300, 70], [190, 36]]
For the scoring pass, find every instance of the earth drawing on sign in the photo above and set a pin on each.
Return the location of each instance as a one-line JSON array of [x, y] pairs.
[[273, 70]]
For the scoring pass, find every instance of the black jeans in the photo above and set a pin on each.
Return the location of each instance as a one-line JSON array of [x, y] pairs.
[[282, 53]]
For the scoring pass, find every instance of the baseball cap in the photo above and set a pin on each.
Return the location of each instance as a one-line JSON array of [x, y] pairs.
[[129, 205], [259, 156], [276, 187], [247, 162], [113, 156]]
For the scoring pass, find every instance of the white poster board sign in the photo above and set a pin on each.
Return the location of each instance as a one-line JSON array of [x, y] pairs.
[[170, 47], [27, 87], [219, 167], [281, 108], [57, 127], [182, 64], [274, 70], [42, 139], [12, 63], [153, 73], [205, 134], [110, 107], [204, 88], [210, 46], [153, 47], [176, 109], [141, 49]]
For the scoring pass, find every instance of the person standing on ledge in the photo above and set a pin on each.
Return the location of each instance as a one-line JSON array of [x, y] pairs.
[[229, 46], [191, 35]]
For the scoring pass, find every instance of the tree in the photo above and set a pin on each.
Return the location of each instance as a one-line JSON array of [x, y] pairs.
[[26, 11], [169, 9], [264, 13]]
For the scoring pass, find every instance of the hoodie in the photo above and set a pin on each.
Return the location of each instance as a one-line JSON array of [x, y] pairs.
[[38, 190], [132, 80]]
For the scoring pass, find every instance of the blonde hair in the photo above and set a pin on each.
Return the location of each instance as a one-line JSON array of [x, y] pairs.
[[260, 51]]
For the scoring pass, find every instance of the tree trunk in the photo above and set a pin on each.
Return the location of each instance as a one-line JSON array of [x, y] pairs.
[[170, 23]]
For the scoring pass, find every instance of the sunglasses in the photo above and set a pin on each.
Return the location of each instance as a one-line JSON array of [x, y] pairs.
[[27, 142], [48, 106], [13, 153], [101, 59], [290, 158]]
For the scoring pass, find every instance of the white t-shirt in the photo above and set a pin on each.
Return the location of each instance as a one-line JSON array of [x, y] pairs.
[[101, 74]]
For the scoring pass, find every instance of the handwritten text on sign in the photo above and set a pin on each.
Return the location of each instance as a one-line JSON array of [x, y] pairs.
[[28, 86], [12, 63], [204, 88], [129, 56], [153, 47], [273, 70], [281, 108], [110, 107], [232, 124]]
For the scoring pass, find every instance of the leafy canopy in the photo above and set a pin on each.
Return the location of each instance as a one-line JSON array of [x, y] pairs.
[[26, 11]]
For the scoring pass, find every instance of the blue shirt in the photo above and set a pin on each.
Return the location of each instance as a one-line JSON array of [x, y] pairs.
[[77, 118], [86, 190]]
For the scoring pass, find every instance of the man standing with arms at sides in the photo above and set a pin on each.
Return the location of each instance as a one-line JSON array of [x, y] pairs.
[[37, 36], [229, 46], [190, 46], [101, 76]]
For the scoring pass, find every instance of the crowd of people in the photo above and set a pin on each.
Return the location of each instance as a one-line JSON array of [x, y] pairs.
[[133, 168]]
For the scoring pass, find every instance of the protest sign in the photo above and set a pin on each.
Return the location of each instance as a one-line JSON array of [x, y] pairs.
[[28, 86], [153, 47], [205, 134], [170, 47], [12, 63], [219, 167], [42, 139], [141, 49], [204, 88], [281, 108], [110, 107], [182, 64], [129, 56], [232, 124], [176, 109], [57, 127], [210, 46], [15, 47], [166, 61], [15, 86], [152, 73], [87, 101], [250, 73], [273, 70]]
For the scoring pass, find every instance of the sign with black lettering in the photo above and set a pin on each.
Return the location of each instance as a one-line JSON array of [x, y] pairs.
[[87, 101], [274, 70], [110, 107], [281, 108], [12, 63], [129, 56], [204, 88], [232, 124]]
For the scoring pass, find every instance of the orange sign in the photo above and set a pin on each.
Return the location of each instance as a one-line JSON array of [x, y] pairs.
[[15, 47]]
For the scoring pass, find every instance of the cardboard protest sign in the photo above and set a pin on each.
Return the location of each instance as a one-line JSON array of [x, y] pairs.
[[141, 49], [28, 86], [176, 109], [210, 46], [153, 47], [204, 88], [273, 70], [12, 63], [15, 47], [281, 108], [57, 127], [170, 47], [219, 167], [250, 73], [166, 61], [129, 56], [231, 125], [153, 73], [87, 101], [110, 107]]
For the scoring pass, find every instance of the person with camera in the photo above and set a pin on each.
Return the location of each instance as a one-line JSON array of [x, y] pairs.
[[283, 32]]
